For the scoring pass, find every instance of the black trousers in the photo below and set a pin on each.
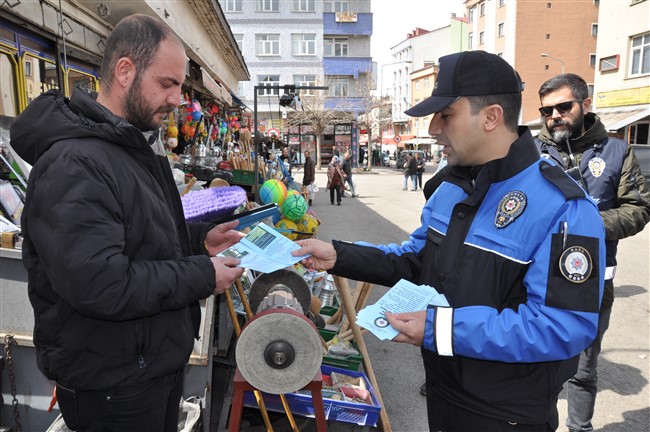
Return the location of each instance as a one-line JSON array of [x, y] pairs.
[[445, 417], [338, 194], [149, 406]]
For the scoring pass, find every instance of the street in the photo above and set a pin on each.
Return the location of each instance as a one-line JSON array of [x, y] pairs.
[[383, 213]]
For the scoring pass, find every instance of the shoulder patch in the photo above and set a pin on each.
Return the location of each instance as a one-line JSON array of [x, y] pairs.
[[556, 176]]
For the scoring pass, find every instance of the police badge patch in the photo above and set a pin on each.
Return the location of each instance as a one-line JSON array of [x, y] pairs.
[[575, 264], [511, 206], [596, 166]]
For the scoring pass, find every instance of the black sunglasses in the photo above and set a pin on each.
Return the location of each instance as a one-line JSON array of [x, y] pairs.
[[563, 107]]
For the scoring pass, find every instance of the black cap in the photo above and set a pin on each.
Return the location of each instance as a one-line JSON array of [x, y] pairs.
[[468, 73]]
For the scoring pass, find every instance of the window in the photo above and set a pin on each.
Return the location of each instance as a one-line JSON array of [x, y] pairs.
[[481, 9], [9, 105], [501, 29], [340, 87], [481, 38], [303, 44], [239, 39], [594, 30], [336, 47], [470, 40], [548, 35], [596, 2], [267, 44], [268, 5], [500, 54], [639, 133], [472, 11], [231, 5], [502, 3], [640, 55], [304, 6], [28, 68], [592, 60], [548, 5], [305, 80], [417, 85], [609, 63], [341, 6], [426, 83], [590, 90], [268, 80]]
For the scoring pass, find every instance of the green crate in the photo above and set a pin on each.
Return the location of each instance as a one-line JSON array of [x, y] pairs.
[[328, 310], [243, 177], [351, 362]]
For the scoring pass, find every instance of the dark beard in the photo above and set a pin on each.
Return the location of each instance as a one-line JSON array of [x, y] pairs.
[[572, 131], [138, 112]]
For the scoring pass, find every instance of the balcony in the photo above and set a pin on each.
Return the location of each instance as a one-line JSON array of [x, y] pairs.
[[349, 23], [349, 66]]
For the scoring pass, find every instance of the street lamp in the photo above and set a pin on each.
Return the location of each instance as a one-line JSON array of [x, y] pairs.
[[554, 58]]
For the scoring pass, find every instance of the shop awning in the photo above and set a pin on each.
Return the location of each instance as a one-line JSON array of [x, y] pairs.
[[215, 88], [420, 141], [619, 117]]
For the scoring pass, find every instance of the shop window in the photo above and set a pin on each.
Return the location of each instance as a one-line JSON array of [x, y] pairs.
[[268, 80], [304, 6], [43, 77], [640, 55], [231, 5], [9, 91], [267, 44], [336, 47], [268, 5], [340, 87], [239, 40], [501, 29], [639, 133], [303, 44], [81, 80]]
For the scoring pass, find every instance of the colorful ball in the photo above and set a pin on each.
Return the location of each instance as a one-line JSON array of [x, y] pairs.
[[273, 191], [287, 228], [308, 224], [294, 207], [289, 193]]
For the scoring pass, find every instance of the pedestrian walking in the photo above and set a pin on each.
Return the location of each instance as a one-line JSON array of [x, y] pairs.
[[335, 177], [347, 170], [421, 164], [515, 246], [410, 172], [575, 138], [309, 177]]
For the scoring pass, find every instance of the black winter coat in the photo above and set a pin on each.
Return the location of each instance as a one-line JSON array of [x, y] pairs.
[[112, 274]]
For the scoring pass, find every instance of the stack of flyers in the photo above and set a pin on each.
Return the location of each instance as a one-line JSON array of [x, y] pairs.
[[405, 296]]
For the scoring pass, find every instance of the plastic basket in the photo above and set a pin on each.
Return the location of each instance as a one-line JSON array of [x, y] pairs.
[[243, 177], [351, 362], [342, 411]]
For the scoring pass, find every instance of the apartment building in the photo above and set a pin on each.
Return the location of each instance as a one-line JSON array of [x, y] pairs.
[[539, 39], [622, 78], [303, 43]]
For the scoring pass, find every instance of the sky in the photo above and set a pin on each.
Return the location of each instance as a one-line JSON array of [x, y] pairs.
[[394, 19]]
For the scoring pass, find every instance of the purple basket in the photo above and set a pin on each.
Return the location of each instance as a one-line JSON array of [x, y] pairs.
[[212, 203]]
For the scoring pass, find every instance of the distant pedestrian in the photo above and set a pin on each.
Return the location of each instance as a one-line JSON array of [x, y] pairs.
[[421, 163], [410, 171], [347, 170], [309, 176], [335, 178]]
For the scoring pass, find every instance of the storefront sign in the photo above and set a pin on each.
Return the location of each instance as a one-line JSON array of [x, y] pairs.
[[635, 96], [343, 129], [346, 17]]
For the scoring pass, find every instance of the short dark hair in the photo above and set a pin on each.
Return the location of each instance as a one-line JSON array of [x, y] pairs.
[[578, 86], [511, 104], [137, 37]]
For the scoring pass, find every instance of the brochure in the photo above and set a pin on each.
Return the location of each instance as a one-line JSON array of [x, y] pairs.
[[264, 250], [404, 296]]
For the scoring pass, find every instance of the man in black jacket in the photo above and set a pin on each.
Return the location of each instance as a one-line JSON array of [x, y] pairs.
[[115, 274], [309, 176], [347, 170]]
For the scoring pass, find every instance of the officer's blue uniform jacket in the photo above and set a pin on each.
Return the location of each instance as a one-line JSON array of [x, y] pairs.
[[518, 250]]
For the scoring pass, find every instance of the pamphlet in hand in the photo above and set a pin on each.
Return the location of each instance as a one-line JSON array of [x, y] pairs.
[[264, 250], [404, 296]]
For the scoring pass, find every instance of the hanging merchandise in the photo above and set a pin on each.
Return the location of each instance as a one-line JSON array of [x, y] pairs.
[[171, 132]]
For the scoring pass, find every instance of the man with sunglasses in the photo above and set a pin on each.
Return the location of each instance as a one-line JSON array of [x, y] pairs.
[[607, 169]]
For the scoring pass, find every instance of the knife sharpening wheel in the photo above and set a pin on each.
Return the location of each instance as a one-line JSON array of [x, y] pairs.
[[280, 280], [279, 350]]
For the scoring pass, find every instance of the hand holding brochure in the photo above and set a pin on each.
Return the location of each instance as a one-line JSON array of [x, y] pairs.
[[264, 250], [404, 296]]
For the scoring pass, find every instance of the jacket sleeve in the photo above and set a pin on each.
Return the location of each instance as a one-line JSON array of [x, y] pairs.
[[633, 210], [198, 231], [560, 316], [77, 224]]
